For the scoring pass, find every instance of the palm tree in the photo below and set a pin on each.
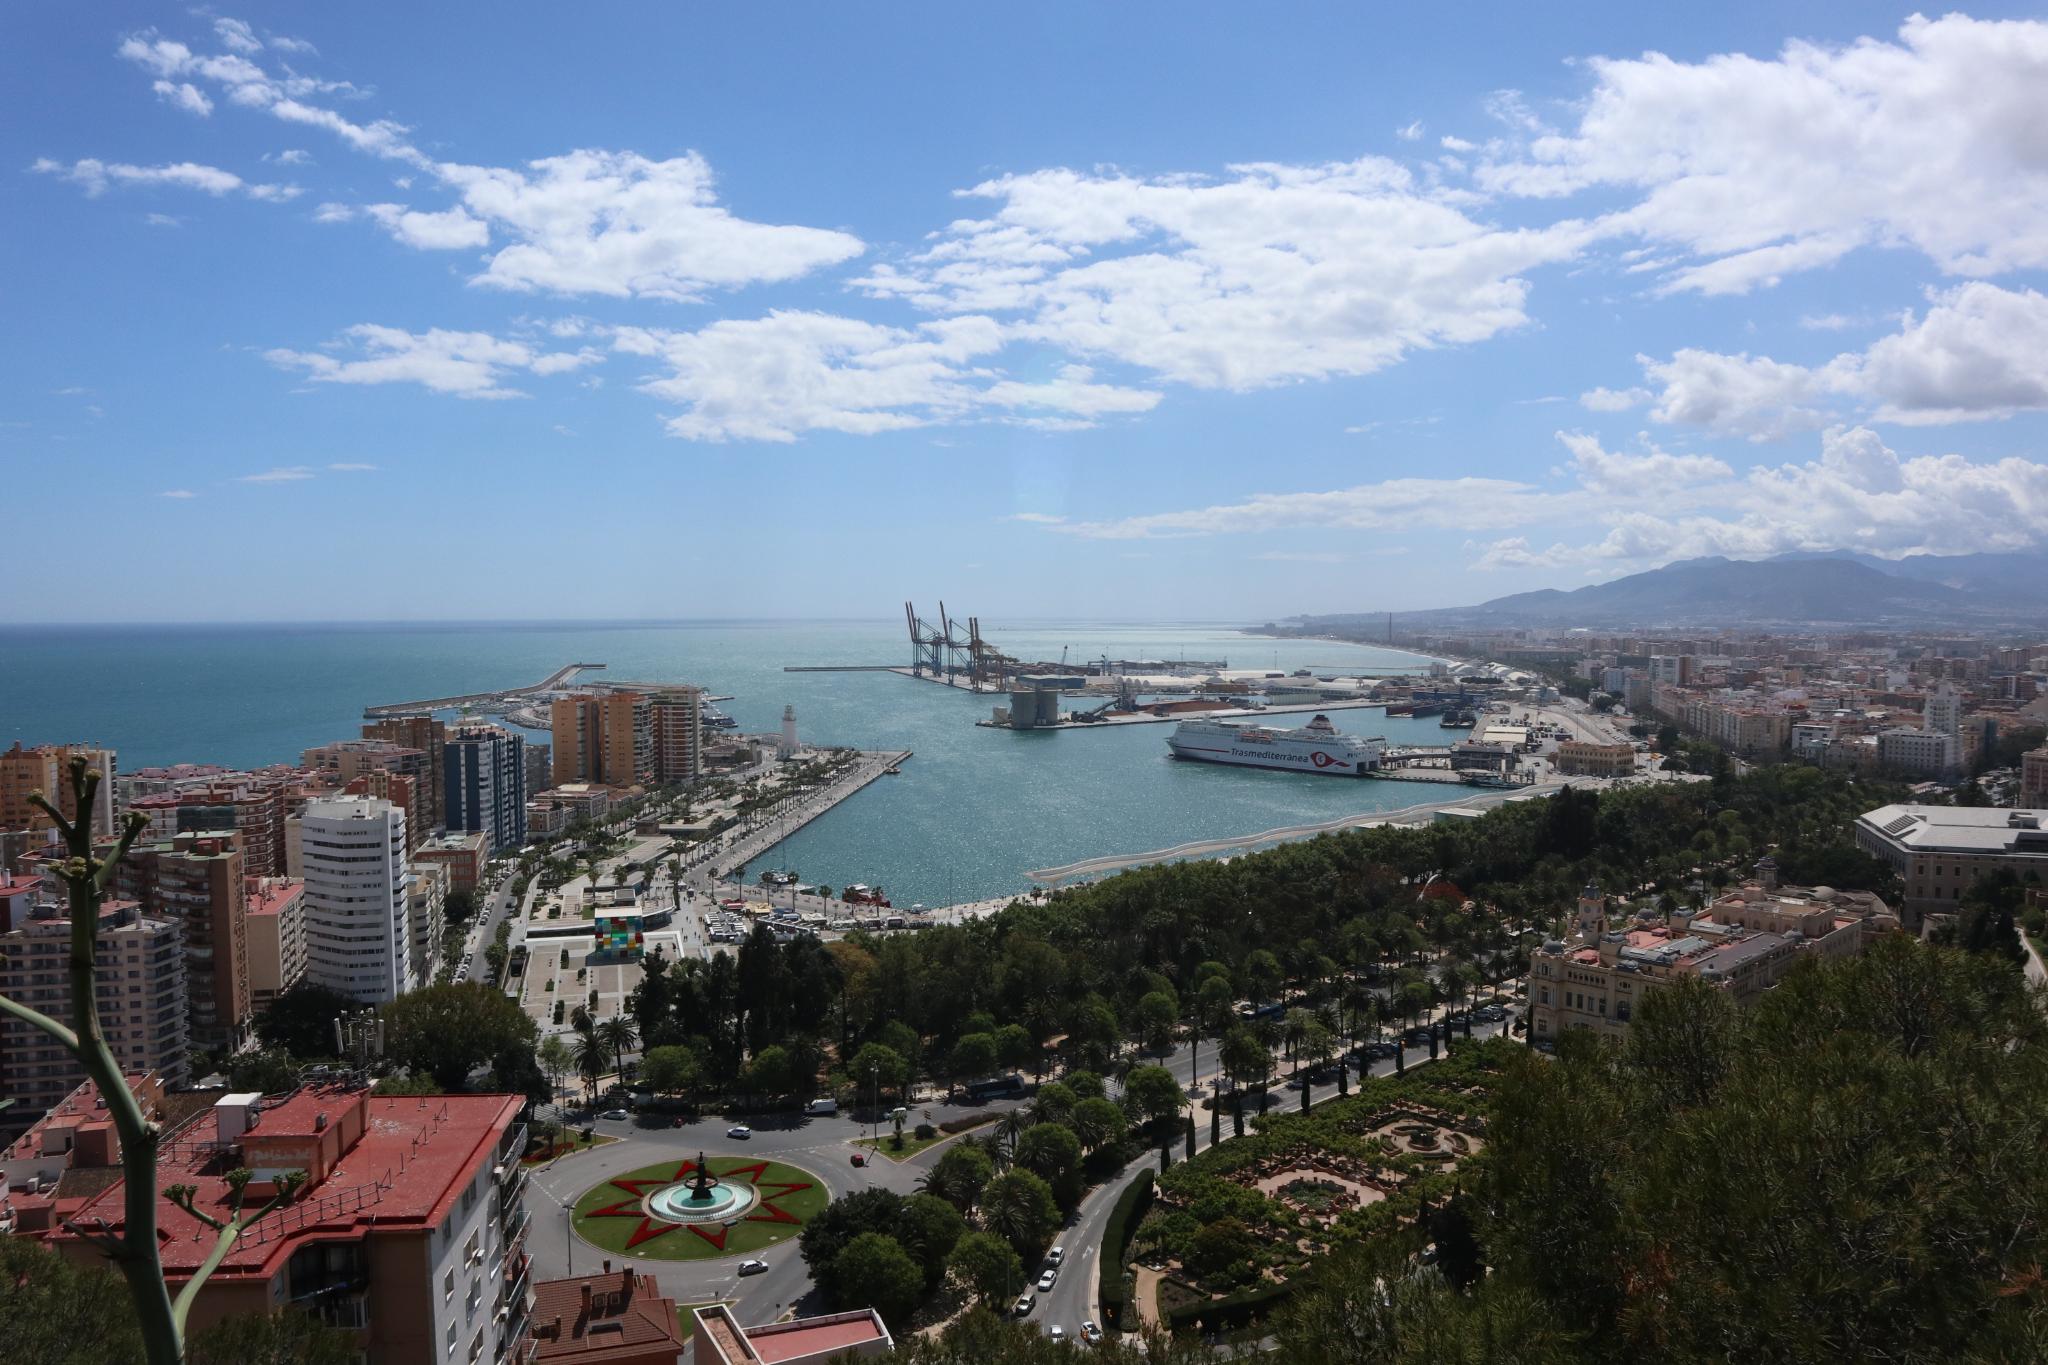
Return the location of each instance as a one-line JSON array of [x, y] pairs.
[[591, 1056], [1008, 1129], [618, 1034]]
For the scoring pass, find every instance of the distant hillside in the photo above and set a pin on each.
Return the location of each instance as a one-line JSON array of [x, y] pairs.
[[1792, 589]]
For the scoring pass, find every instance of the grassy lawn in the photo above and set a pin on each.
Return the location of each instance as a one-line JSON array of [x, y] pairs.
[[576, 1144], [912, 1144], [756, 1230], [683, 1312]]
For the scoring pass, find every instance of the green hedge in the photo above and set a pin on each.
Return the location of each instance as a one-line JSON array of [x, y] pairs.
[[1229, 1314], [966, 1121], [1131, 1206]]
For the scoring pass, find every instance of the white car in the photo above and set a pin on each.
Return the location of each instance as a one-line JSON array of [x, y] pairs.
[[1090, 1333], [1056, 1257], [1048, 1280], [615, 1114], [1025, 1303], [753, 1267], [1056, 1333], [740, 1131]]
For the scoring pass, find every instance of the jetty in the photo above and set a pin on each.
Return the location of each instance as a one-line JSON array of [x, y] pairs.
[[557, 679]]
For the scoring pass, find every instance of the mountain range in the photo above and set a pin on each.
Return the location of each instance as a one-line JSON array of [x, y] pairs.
[[1840, 588]]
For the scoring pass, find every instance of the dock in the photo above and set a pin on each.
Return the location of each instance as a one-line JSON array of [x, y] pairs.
[[554, 680], [1291, 708]]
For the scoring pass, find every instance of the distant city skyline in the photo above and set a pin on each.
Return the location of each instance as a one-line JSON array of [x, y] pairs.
[[1079, 312]]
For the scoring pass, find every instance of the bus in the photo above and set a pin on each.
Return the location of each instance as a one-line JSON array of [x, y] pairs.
[[995, 1088]]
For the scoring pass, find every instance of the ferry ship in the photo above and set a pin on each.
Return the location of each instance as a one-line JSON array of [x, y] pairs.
[[1317, 747]]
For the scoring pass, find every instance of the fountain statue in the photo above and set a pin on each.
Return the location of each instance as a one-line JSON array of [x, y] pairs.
[[701, 1188]]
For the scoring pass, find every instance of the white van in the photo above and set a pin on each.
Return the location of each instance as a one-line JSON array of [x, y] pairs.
[[816, 1107]]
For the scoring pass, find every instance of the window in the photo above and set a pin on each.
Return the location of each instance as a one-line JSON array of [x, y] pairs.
[[448, 1286]]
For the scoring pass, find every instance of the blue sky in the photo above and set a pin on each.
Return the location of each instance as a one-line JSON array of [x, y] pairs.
[[1215, 312]]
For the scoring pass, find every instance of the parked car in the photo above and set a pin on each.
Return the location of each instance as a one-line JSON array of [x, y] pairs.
[[1048, 1280], [616, 1114], [1090, 1333], [740, 1131], [1024, 1304], [753, 1267], [1056, 1257]]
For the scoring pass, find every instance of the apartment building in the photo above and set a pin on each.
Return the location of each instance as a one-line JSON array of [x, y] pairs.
[[428, 736], [47, 769], [351, 853], [197, 880], [1743, 942], [464, 855], [1922, 753], [483, 782], [616, 1317], [719, 1339], [141, 995], [603, 737], [2034, 778], [1938, 851], [427, 916], [676, 723], [274, 914], [409, 1229]]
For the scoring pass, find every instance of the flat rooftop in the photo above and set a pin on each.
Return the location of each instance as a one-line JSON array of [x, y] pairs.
[[1961, 829]]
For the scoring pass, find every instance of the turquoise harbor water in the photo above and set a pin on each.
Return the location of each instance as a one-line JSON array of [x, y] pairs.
[[971, 813]]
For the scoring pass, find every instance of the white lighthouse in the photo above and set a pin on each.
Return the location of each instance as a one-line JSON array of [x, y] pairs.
[[786, 747]]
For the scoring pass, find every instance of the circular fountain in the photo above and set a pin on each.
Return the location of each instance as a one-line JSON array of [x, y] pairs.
[[702, 1199]]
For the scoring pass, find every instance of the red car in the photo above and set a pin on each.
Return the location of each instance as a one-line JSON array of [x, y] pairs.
[[860, 1159]]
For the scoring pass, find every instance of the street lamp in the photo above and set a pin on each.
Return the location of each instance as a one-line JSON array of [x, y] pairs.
[[569, 1229]]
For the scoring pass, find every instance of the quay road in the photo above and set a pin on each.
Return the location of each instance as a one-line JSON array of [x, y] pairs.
[[824, 1147], [408, 708]]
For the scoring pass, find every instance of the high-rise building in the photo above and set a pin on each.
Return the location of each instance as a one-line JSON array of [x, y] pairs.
[[141, 992], [603, 737], [254, 805], [401, 791], [1943, 713], [427, 917], [484, 782], [351, 853], [196, 879], [410, 1229], [47, 769], [2034, 778], [274, 911], [427, 735], [539, 767], [676, 717]]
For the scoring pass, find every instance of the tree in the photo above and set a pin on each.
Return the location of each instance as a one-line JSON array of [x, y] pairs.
[[1213, 1001], [669, 1070], [973, 1056], [287, 1337], [409, 1083], [1053, 1153], [556, 1060], [1153, 1093], [271, 1071], [1098, 1123], [959, 1175], [827, 1234], [449, 1031], [1016, 1048], [874, 1271], [618, 1034], [1247, 1062], [301, 1020], [1153, 1019], [1019, 1207], [877, 1067], [771, 1072], [987, 1267], [1261, 975], [928, 1227], [52, 1310]]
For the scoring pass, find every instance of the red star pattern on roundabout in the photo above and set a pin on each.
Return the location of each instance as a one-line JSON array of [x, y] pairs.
[[651, 1227]]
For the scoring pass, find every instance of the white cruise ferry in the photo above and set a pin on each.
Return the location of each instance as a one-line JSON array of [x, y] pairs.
[[1317, 747]]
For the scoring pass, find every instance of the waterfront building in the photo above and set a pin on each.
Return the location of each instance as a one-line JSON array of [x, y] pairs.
[[2034, 778], [1577, 758], [275, 916], [718, 1338], [1938, 851], [1923, 753], [483, 782], [1743, 942], [545, 818], [351, 853], [616, 1317], [196, 879], [786, 747], [409, 1231], [47, 769], [603, 737], [582, 800], [141, 994], [676, 726], [428, 736], [427, 916], [464, 855]]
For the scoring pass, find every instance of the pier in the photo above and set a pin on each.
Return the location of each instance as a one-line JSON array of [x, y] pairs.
[[1112, 719], [553, 681]]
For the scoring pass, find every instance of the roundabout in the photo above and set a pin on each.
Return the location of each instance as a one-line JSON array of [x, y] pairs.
[[694, 1209]]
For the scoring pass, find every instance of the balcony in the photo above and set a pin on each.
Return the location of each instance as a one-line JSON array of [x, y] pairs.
[[518, 1275], [513, 1147], [350, 1312], [515, 1226]]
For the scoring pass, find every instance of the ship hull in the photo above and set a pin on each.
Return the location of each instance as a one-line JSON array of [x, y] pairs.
[[1334, 767]]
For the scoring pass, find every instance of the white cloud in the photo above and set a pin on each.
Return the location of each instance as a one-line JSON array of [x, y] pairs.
[[1072, 391], [1735, 395], [1275, 273], [1613, 400], [466, 364], [1301, 557], [619, 224], [1410, 132], [162, 220], [1756, 168], [333, 213], [1396, 504], [1036, 518], [96, 176], [236, 34], [184, 95], [282, 474], [352, 467], [295, 45], [1831, 322], [429, 231], [290, 156], [179, 493], [1457, 144], [1651, 476]]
